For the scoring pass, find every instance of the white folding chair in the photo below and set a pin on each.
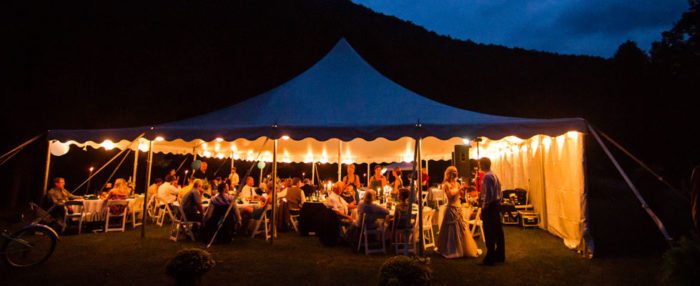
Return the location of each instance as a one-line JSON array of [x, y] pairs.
[[137, 212], [262, 225], [163, 212], [73, 210], [378, 232], [477, 223], [181, 223], [294, 219], [428, 234], [152, 208], [121, 215]]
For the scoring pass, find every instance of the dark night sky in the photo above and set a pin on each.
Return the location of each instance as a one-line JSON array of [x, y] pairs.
[[591, 27]]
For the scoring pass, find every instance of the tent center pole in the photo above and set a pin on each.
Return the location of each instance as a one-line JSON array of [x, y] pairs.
[[274, 192]]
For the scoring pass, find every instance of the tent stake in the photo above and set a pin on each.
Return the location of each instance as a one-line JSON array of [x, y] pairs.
[[651, 213]]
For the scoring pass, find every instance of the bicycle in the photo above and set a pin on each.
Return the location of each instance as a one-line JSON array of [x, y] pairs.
[[31, 245]]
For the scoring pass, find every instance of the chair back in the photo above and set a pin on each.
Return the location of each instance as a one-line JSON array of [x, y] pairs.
[[428, 217], [117, 205]]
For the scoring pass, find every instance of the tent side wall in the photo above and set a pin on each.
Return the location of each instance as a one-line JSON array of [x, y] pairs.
[[552, 170]]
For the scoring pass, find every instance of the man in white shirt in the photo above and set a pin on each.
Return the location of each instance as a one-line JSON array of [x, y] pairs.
[[338, 204], [248, 191], [167, 192]]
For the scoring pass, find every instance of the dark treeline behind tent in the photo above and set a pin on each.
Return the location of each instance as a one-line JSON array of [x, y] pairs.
[[117, 64]]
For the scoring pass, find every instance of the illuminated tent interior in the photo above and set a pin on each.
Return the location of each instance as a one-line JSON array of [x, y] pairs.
[[342, 109]]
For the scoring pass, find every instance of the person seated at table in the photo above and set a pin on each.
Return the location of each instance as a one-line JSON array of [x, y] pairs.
[[338, 204], [348, 195], [218, 206], [372, 210], [351, 179], [119, 192], [396, 184], [248, 193], [59, 196], [377, 181], [201, 173], [192, 202], [186, 189], [153, 188], [295, 196], [307, 187], [168, 192], [402, 208]]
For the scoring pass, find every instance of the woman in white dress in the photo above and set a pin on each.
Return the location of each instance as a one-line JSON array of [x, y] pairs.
[[455, 239]]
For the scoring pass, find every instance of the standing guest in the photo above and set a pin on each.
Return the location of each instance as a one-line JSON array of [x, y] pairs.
[[233, 177], [490, 214], [351, 179], [402, 210], [377, 181], [425, 179], [119, 192], [295, 196], [167, 192], [153, 188], [248, 192], [192, 202], [455, 240], [397, 184]]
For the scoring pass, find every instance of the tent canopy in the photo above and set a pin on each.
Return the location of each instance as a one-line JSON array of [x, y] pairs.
[[342, 97]]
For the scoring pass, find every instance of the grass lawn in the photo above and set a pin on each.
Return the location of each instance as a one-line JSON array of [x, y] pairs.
[[534, 257]]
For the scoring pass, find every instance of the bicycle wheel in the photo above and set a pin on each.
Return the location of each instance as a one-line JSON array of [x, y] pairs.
[[29, 247]]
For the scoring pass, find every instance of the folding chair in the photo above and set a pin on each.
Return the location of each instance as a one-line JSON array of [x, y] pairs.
[[152, 208], [74, 210], [294, 219], [428, 235], [121, 215], [262, 223], [379, 232], [137, 212], [477, 223], [180, 222], [163, 211]]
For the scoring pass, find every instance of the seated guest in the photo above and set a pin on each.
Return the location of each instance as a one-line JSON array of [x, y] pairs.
[[248, 193], [58, 194], [371, 209], [337, 204], [186, 189], [402, 210], [201, 173], [217, 209], [307, 188], [153, 189], [119, 192], [167, 192], [192, 202], [348, 195], [295, 196]]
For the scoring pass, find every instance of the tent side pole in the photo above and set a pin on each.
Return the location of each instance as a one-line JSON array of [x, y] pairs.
[[340, 161], [419, 179], [645, 206], [136, 167], [368, 173], [274, 193], [47, 169], [313, 172], [146, 185]]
